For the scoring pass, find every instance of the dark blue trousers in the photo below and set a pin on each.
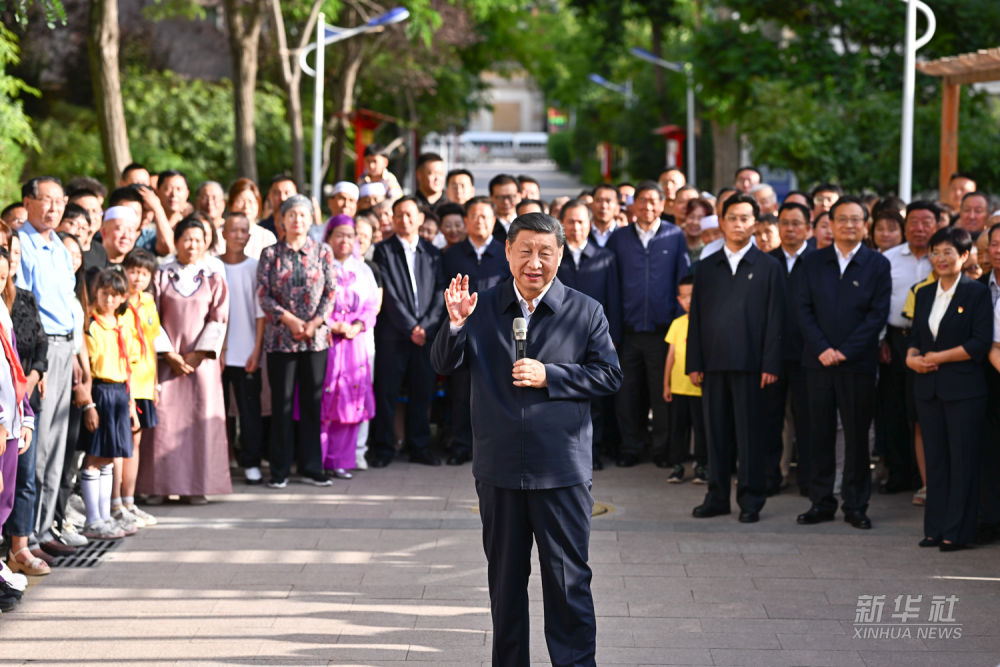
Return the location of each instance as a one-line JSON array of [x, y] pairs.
[[559, 519]]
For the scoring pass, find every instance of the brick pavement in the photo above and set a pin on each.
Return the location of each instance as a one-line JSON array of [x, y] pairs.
[[388, 568]]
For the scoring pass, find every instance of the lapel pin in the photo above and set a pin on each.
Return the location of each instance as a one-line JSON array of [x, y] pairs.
[[856, 284], [961, 310], [750, 276]]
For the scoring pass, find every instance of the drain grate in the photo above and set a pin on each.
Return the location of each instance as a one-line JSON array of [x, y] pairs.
[[89, 555]]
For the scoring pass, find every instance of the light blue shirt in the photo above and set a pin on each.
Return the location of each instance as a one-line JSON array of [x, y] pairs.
[[47, 271]]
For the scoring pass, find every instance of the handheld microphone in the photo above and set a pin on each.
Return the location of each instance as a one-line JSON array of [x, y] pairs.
[[520, 338]]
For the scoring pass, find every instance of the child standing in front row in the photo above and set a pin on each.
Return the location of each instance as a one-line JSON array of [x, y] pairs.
[[111, 345], [686, 414], [140, 265]]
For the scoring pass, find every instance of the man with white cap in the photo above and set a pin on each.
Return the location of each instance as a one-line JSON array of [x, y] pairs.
[[371, 194], [343, 200]]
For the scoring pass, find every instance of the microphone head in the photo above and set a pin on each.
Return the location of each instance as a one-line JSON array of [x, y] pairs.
[[520, 328]]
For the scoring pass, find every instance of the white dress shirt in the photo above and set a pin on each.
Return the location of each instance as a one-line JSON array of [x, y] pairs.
[[576, 252], [734, 257], [843, 259], [994, 288], [410, 251], [480, 249], [602, 237], [790, 259], [644, 237], [906, 270], [528, 309], [941, 300]]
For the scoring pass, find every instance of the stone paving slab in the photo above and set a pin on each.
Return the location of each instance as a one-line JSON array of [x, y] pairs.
[[388, 568]]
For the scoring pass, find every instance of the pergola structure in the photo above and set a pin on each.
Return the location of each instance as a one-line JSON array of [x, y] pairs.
[[978, 67]]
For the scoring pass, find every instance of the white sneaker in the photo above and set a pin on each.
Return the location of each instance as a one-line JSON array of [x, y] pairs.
[[15, 579], [74, 518], [253, 475], [141, 514], [103, 530], [70, 537], [122, 519], [277, 484], [360, 462]]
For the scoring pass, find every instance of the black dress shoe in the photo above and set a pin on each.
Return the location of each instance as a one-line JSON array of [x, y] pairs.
[[707, 511], [858, 520], [627, 460], [749, 517], [662, 462], [953, 546], [598, 464], [814, 515], [459, 458], [379, 461], [929, 542], [425, 458], [56, 548]]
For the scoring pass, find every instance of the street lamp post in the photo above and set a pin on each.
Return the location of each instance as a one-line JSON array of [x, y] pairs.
[[687, 70], [912, 45], [626, 91], [325, 35]]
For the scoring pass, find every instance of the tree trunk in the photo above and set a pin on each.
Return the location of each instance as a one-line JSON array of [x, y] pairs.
[[102, 46], [243, 20], [725, 154]]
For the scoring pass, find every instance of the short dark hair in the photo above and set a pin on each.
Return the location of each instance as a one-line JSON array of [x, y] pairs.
[[524, 178], [74, 211], [424, 158], [961, 174], [801, 193], [819, 217], [888, 213], [30, 189], [850, 199], [10, 207], [956, 237], [193, 221], [795, 206], [125, 194], [141, 259], [542, 223], [403, 200], [478, 200], [989, 234], [768, 219], [450, 208], [976, 193], [747, 167], [891, 202], [724, 190], [686, 280], [667, 170], [528, 202], [605, 186], [78, 193], [280, 178], [922, 205], [375, 149], [575, 203], [828, 187], [586, 192], [501, 179], [459, 172], [686, 188], [89, 183], [624, 184], [112, 279], [649, 185], [742, 198], [170, 173], [133, 166]]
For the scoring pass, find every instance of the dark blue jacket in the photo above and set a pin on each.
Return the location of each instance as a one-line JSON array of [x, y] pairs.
[[844, 313], [648, 276], [527, 438], [483, 273], [968, 321], [398, 315], [597, 277], [735, 321], [791, 334]]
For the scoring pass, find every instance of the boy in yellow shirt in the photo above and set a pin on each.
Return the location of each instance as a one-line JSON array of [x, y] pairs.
[[685, 398]]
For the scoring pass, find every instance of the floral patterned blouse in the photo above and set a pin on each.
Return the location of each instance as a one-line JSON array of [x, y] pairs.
[[301, 282]]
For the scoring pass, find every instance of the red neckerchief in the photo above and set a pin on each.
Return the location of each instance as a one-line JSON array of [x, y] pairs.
[[16, 371], [122, 346], [138, 326]]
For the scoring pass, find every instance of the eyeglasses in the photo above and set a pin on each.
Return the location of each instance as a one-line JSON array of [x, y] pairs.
[[505, 197], [858, 220]]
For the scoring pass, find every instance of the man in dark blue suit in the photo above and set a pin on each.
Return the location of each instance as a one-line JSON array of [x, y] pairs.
[[532, 436], [481, 258], [794, 230], [843, 306], [412, 311], [593, 270], [734, 353]]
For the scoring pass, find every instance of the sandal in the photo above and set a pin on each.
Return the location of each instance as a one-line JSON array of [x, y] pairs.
[[34, 566]]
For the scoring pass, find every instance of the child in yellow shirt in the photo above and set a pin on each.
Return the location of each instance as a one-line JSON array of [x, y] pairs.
[[685, 413]]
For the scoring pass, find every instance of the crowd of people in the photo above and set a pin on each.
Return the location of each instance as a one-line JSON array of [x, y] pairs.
[[157, 344]]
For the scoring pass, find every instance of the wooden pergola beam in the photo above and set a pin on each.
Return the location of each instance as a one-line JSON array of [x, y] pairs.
[[951, 94]]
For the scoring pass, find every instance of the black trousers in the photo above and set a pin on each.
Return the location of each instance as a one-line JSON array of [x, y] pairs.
[[559, 520], [687, 416], [285, 370], [460, 391], [790, 388], [895, 414], [246, 393], [853, 395], [643, 356], [953, 442], [604, 420], [989, 497], [398, 361], [733, 404]]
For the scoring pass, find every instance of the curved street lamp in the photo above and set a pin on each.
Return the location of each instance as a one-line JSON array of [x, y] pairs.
[[680, 68]]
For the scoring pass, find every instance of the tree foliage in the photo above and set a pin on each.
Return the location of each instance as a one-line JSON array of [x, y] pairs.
[[16, 134]]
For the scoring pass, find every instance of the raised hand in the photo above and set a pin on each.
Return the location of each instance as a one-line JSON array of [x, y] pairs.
[[459, 302]]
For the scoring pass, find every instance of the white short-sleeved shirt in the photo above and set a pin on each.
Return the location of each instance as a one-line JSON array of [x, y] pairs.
[[244, 310]]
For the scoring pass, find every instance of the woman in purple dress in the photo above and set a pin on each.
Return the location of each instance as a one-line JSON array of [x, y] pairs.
[[348, 399], [187, 454]]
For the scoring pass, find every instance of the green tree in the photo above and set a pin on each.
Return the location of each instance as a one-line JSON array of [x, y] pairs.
[[16, 134]]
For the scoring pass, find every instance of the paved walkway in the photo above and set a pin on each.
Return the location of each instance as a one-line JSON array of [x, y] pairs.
[[388, 568]]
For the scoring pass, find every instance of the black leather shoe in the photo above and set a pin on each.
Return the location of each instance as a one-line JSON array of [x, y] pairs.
[[598, 464], [707, 512], [459, 458], [953, 546], [425, 458], [662, 462], [858, 520], [749, 517], [56, 548], [627, 460], [814, 515], [929, 542], [379, 461]]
